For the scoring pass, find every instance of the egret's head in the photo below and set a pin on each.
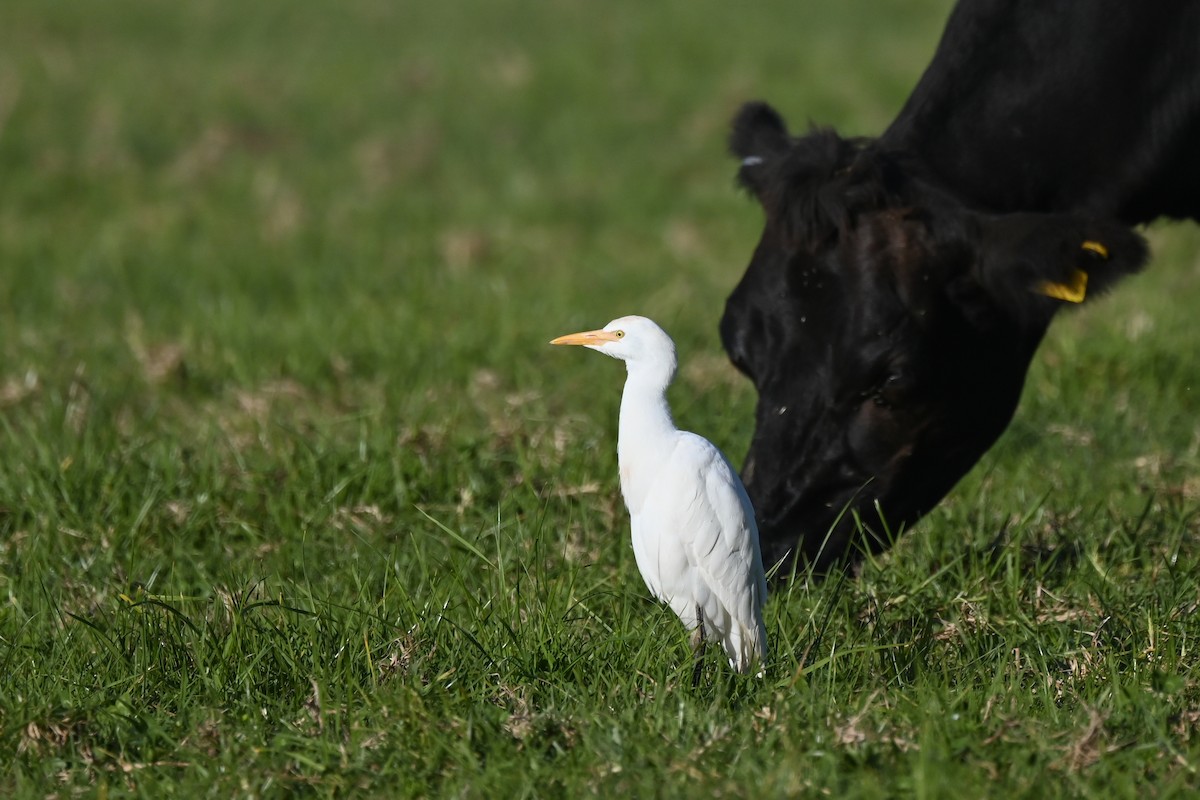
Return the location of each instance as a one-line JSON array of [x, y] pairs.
[[634, 340]]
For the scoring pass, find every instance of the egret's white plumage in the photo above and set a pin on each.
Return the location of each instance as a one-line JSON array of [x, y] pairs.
[[694, 535]]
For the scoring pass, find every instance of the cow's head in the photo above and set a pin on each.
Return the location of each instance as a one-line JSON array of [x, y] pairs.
[[888, 331]]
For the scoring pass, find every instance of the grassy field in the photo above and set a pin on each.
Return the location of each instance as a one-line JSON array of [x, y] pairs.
[[295, 500]]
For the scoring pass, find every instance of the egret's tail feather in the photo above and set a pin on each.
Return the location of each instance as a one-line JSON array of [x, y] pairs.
[[746, 647]]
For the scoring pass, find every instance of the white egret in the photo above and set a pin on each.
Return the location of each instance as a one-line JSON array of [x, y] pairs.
[[694, 535]]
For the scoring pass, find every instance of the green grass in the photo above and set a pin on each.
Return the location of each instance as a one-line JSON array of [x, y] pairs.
[[295, 500]]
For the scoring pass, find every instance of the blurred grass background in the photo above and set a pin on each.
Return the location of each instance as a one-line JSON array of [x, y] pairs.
[[295, 499]]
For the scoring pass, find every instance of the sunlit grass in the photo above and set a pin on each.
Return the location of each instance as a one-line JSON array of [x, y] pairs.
[[294, 498]]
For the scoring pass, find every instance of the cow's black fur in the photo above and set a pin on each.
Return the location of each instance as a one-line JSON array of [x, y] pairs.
[[1054, 105], [893, 305]]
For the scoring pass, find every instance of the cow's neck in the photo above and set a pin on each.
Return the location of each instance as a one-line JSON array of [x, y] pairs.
[[1010, 116]]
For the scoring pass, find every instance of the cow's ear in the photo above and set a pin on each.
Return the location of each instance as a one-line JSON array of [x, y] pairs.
[[1027, 266], [758, 135]]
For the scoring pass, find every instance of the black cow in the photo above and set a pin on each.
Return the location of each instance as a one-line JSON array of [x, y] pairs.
[[902, 284]]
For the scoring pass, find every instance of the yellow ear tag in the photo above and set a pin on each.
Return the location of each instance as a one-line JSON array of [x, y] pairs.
[[1072, 292], [1076, 290]]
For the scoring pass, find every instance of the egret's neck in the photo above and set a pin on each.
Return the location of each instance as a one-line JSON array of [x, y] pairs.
[[646, 428]]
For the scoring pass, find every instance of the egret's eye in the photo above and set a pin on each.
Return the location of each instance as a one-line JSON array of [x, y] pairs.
[[619, 334]]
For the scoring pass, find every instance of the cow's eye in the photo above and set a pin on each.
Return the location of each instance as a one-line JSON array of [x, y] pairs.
[[891, 391]]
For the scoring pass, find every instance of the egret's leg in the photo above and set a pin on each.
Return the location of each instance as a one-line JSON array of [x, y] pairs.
[[698, 643]]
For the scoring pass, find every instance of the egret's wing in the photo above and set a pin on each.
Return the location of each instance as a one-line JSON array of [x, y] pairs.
[[719, 534], [736, 561]]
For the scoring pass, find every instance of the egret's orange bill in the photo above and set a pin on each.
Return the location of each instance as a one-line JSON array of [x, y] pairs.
[[587, 337]]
